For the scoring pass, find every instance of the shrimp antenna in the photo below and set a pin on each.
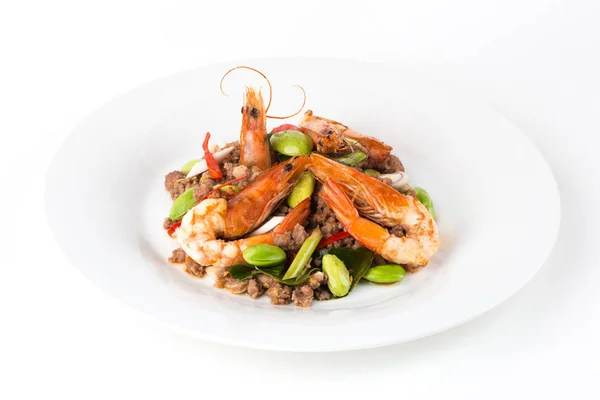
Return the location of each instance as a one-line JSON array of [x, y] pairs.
[[297, 112], [258, 72]]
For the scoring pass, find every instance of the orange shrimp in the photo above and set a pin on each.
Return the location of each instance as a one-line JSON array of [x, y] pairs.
[[332, 137], [201, 227], [254, 146], [250, 207], [254, 150], [413, 250], [373, 198]]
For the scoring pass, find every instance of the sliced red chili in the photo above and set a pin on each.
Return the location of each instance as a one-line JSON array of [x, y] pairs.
[[285, 127], [211, 163], [173, 227], [332, 239], [220, 186]]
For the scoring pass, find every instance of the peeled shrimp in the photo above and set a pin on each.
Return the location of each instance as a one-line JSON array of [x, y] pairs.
[[413, 250], [205, 223], [206, 228]]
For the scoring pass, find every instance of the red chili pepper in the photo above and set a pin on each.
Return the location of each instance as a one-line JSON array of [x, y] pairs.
[[332, 239], [285, 127], [211, 163], [220, 186], [173, 227]]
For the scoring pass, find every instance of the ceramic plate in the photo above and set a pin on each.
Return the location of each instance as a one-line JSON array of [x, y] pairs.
[[496, 198]]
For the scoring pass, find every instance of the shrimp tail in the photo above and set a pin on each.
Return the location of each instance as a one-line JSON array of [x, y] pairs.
[[297, 216], [365, 231]]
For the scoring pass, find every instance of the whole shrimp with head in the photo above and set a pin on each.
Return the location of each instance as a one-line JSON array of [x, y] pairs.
[[206, 228], [332, 137], [383, 204], [413, 250], [254, 145]]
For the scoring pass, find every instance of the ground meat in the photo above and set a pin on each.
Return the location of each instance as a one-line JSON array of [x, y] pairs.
[[385, 180], [413, 268], [239, 171], [178, 256], [280, 294], [176, 183], [292, 241], [283, 210], [389, 165], [234, 156], [266, 281], [254, 173], [410, 192], [397, 230], [167, 223], [303, 296], [205, 186], [323, 293], [317, 279], [324, 217], [220, 275], [255, 289], [193, 268], [235, 286]]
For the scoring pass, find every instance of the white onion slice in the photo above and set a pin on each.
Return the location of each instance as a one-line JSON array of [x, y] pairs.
[[267, 226], [398, 179], [201, 166]]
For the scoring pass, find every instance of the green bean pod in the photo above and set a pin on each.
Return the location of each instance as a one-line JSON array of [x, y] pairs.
[[187, 167], [372, 172], [264, 255], [291, 143], [352, 159], [304, 254], [425, 199], [387, 273], [232, 187], [303, 189], [338, 277]]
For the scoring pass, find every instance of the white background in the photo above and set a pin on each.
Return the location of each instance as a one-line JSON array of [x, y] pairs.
[[536, 61]]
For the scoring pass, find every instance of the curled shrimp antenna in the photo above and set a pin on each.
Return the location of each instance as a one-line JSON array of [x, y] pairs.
[[297, 112], [258, 72]]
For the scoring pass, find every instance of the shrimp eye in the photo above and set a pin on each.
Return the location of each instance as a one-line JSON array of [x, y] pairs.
[[328, 132], [254, 112], [288, 167], [242, 110]]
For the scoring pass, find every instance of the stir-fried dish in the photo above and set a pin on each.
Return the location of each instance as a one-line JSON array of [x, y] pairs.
[[298, 213]]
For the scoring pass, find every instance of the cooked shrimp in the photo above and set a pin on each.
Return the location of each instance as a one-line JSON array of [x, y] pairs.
[[373, 198], [207, 221], [413, 250], [254, 151], [326, 134], [332, 137], [250, 207]]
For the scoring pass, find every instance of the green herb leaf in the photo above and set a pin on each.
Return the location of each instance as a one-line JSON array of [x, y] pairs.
[[182, 205], [242, 271]]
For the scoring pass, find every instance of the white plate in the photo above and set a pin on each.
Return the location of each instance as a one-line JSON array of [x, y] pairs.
[[496, 198]]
